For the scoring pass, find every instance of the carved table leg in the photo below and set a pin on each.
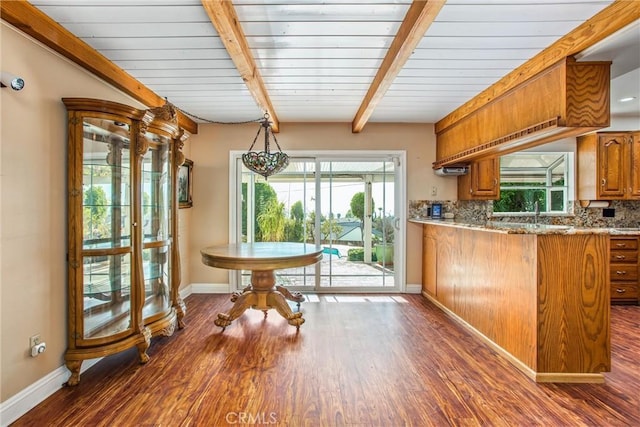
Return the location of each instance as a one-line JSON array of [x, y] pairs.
[[242, 303], [291, 296], [261, 294], [276, 300], [236, 294]]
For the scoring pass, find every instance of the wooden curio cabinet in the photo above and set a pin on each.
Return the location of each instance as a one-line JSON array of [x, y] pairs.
[[608, 164], [123, 259], [482, 182]]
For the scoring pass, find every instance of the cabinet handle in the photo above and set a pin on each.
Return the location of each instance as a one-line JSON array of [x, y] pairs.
[[604, 181], [621, 257], [610, 142], [621, 245], [621, 291], [621, 272]]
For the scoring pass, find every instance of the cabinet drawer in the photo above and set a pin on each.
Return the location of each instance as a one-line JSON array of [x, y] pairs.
[[623, 243], [624, 272], [624, 291], [624, 256]]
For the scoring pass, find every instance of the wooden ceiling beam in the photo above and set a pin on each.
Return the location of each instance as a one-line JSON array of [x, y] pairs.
[[225, 20], [32, 21], [419, 17], [608, 21]]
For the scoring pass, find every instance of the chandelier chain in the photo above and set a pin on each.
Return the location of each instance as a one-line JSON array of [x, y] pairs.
[[218, 122]]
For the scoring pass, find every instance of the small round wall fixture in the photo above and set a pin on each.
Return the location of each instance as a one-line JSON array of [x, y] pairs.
[[9, 80]]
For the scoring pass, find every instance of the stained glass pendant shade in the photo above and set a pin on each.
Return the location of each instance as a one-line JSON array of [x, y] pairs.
[[265, 162]]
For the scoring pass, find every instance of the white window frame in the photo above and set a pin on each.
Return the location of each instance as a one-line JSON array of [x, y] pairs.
[[400, 208], [568, 189]]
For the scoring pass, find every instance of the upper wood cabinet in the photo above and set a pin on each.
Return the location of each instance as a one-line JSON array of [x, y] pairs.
[[634, 168], [482, 182], [608, 165], [566, 99], [123, 259]]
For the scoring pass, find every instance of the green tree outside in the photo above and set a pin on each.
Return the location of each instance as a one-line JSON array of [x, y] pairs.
[[294, 226], [357, 209], [330, 229], [264, 194], [94, 213], [520, 200], [272, 222]]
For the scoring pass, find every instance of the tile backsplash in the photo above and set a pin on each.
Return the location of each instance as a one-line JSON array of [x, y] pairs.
[[627, 213]]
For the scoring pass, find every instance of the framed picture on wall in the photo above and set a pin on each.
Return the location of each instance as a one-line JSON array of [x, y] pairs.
[[185, 184]]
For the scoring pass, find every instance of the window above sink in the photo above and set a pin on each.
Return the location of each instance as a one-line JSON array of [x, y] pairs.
[[529, 177]]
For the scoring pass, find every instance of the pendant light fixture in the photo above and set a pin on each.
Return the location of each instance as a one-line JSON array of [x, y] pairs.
[[265, 162]]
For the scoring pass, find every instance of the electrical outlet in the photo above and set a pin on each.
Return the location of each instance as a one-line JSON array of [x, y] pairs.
[[434, 190], [34, 341]]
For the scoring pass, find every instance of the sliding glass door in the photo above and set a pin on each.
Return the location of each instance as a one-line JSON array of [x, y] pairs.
[[348, 205]]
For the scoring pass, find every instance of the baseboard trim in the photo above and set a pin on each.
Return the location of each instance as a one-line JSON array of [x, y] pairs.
[[539, 377], [25, 400], [225, 288], [28, 398], [210, 288], [413, 288], [504, 353], [559, 377]]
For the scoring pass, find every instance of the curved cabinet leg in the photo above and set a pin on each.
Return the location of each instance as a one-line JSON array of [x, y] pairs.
[[74, 367], [181, 311], [144, 346]]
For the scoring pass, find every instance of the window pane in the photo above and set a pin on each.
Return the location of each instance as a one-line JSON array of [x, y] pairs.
[[520, 200], [557, 200], [529, 177]]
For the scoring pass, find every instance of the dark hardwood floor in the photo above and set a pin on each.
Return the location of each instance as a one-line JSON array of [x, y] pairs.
[[370, 363]]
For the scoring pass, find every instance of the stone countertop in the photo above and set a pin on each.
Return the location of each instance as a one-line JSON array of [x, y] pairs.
[[527, 228]]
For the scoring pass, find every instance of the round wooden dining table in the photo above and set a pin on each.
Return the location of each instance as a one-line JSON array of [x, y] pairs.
[[262, 259]]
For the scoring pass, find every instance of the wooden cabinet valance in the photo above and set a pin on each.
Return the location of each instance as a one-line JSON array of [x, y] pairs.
[[567, 99]]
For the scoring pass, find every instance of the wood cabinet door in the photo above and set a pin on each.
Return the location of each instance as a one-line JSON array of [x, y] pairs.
[[634, 167], [482, 182], [485, 176], [611, 166]]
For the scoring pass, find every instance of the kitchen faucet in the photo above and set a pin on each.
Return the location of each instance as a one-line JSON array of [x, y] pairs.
[[536, 211]]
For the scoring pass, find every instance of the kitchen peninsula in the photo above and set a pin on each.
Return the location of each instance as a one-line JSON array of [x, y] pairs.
[[538, 294]]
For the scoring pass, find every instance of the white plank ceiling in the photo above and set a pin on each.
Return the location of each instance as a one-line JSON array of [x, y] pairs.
[[318, 58]]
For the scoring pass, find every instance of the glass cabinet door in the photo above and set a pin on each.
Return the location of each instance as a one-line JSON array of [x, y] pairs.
[[156, 212], [106, 229]]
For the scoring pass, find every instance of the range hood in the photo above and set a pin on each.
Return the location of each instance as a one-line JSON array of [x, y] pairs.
[[567, 99], [452, 170]]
